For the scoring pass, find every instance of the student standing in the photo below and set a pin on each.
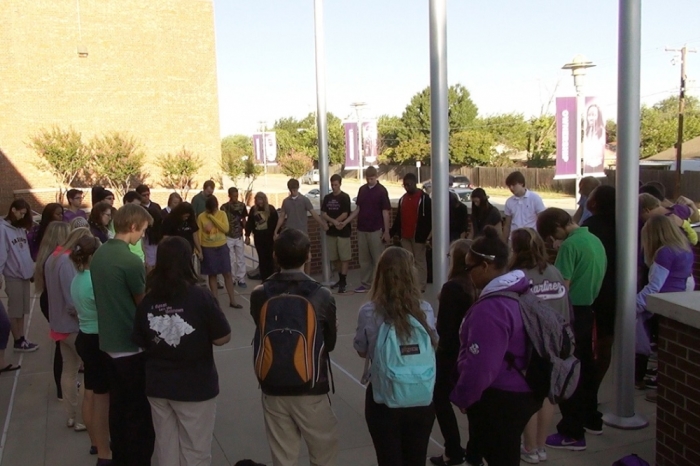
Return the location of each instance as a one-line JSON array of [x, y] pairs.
[[522, 207], [294, 214], [118, 279], [75, 201], [334, 209], [484, 214], [456, 297], [399, 435], [199, 201], [176, 324], [585, 188], [100, 218], [582, 262], [496, 398], [213, 226], [52, 213], [87, 343], [292, 410], [237, 213], [413, 225], [373, 211], [262, 221], [153, 233], [173, 201], [17, 269]]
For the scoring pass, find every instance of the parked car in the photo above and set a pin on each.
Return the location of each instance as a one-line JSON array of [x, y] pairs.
[[461, 181], [428, 184], [313, 194], [464, 194], [311, 177]]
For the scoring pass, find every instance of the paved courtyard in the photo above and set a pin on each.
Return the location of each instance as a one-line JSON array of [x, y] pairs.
[[33, 420]]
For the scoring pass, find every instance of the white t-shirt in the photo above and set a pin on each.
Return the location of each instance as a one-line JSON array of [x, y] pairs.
[[523, 210]]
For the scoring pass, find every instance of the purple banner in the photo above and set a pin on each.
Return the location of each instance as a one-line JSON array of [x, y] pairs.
[[352, 148], [566, 138], [265, 147], [593, 139]]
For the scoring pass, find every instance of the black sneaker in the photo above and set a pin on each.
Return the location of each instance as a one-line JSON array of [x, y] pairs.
[[335, 285], [24, 346], [341, 288], [651, 382]]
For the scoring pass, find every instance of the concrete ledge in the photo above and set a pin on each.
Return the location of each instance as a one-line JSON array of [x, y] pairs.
[[683, 307]]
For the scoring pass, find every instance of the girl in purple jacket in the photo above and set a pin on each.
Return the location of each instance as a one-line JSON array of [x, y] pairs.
[[495, 396]]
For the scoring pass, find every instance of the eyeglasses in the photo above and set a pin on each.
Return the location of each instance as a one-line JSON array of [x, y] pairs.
[[488, 257]]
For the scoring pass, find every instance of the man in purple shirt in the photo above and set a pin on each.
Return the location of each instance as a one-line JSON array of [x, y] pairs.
[[75, 200], [372, 212]]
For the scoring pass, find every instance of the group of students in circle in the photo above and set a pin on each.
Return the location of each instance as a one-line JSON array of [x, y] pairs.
[[143, 339]]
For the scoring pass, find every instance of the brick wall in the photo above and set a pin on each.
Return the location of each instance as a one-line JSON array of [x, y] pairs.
[[150, 71], [678, 408]]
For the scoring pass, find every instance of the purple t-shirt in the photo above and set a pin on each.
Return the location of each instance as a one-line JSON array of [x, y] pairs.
[[372, 202], [69, 215], [679, 264]]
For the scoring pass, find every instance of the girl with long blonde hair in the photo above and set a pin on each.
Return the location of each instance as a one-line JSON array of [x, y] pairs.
[[55, 234], [670, 259], [261, 223], [399, 435]]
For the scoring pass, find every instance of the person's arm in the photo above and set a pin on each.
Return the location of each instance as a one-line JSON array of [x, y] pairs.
[[274, 217], [657, 277], [330, 332], [197, 244], [353, 215], [280, 222], [506, 228], [257, 299], [66, 273], [217, 325], [220, 221], [690, 232], [578, 214], [135, 279], [565, 264], [365, 330]]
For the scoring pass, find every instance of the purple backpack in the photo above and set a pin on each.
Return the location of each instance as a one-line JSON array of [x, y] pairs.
[[630, 460]]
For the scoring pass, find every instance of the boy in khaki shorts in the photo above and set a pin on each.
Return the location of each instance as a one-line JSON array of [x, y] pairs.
[[334, 209]]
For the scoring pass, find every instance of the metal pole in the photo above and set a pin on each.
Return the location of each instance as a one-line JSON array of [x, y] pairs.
[[627, 214], [322, 126], [681, 110], [439, 139], [580, 106]]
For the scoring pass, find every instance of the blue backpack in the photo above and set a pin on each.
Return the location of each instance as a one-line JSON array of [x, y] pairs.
[[403, 373]]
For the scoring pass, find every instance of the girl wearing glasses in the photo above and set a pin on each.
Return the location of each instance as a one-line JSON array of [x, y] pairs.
[[495, 397]]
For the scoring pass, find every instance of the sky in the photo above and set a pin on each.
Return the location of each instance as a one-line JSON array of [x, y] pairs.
[[508, 54]]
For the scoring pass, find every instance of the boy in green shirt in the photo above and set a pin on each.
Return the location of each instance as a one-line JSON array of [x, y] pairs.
[[119, 282], [582, 262]]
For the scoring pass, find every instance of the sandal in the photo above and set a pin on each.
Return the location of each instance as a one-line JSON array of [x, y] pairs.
[[236, 306], [10, 368]]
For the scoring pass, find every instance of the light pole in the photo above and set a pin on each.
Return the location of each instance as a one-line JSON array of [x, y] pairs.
[[360, 147], [263, 126], [578, 68]]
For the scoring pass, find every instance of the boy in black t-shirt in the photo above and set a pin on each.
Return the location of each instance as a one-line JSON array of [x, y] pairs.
[[334, 209]]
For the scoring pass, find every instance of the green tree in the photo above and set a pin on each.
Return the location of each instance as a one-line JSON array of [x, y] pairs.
[[61, 153], [295, 164], [471, 147], [302, 136], [660, 124], [235, 150], [178, 170], [610, 131], [416, 149], [542, 141], [509, 129], [388, 128], [117, 161]]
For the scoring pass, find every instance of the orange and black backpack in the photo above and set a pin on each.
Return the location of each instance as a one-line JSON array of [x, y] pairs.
[[288, 345]]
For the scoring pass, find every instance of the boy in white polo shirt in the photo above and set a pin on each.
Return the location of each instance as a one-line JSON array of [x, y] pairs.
[[522, 207]]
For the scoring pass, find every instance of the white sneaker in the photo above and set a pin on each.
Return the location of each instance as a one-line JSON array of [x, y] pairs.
[[542, 453], [530, 457]]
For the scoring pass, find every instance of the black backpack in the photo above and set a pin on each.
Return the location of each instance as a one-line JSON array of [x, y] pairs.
[[288, 346]]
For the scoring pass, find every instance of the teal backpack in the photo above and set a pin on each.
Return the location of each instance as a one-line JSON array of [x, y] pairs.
[[403, 373]]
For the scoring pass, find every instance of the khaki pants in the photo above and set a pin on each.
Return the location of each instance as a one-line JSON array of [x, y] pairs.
[[287, 418], [418, 251], [184, 430], [369, 248], [236, 249]]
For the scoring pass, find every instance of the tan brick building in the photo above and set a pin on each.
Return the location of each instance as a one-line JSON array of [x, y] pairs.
[[149, 70]]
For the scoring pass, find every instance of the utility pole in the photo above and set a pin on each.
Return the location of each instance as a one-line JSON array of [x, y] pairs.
[[263, 127], [681, 109]]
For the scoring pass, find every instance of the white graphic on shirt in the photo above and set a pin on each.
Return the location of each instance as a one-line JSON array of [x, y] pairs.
[[171, 328], [548, 290], [474, 349]]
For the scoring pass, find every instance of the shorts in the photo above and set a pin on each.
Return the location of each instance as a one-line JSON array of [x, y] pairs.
[[95, 362], [18, 297], [339, 249], [216, 261]]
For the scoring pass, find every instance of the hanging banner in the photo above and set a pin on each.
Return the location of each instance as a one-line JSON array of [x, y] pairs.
[[369, 143], [593, 139], [566, 138], [265, 147], [352, 148]]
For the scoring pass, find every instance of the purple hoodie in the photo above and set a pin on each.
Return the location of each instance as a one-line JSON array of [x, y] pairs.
[[492, 327]]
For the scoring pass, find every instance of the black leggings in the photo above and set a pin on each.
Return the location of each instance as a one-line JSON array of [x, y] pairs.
[[57, 358], [266, 263], [444, 412], [499, 419], [400, 435]]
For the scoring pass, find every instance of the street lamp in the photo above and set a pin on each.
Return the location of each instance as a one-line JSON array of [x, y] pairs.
[[578, 68]]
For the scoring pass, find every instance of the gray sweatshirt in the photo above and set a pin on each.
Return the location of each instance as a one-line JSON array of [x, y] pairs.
[[15, 260], [59, 273]]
